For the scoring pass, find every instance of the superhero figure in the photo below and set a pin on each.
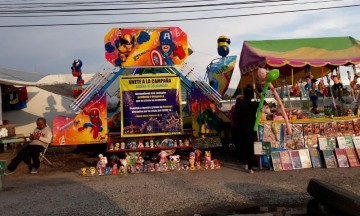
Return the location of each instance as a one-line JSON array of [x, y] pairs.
[[125, 44], [76, 71], [95, 122]]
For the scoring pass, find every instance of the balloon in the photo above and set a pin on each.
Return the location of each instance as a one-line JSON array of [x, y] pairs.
[[271, 76], [223, 45]]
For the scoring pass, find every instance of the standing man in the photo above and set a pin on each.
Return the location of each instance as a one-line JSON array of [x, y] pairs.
[[245, 114], [39, 139]]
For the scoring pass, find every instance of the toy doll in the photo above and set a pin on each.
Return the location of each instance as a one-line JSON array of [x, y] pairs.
[[198, 155], [141, 145], [198, 165], [192, 160], [152, 167], [92, 171], [207, 157], [122, 169], [186, 142], [163, 156], [185, 165], [122, 145], [180, 142], [157, 167], [101, 165], [139, 163], [151, 143], [217, 164], [147, 144], [165, 167], [129, 169], [83, 171], [114, 170], [212, 164], [145, 167]]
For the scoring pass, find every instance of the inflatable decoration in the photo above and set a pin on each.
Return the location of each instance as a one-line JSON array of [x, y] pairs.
[[223, 45], [269, 77], [76, 71]]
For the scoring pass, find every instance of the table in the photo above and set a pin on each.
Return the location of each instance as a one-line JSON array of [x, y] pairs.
[[13, 140]]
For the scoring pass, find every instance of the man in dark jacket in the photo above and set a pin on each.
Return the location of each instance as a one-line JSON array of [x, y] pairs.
[[245, 114]]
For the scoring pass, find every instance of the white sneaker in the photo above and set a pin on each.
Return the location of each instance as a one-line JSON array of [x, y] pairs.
[[33, 171]]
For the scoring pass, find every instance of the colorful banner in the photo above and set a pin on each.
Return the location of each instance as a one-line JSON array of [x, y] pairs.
[[151, 105], [220, 72], [87, 127], [165, 46]]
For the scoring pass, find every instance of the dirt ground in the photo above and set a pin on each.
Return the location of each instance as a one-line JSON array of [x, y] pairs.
[[228, 191]]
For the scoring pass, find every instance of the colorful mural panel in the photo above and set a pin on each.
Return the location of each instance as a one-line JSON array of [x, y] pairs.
[[146, 46]]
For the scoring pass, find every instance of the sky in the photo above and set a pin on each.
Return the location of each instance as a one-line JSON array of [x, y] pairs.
[[52, 49]]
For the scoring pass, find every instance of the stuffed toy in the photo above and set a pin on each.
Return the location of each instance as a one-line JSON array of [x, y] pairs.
[[163, 157]]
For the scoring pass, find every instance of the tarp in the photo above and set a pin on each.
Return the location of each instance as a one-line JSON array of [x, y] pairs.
[[322, 54]]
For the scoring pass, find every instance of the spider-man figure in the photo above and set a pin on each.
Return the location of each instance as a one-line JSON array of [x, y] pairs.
[[95, 122]]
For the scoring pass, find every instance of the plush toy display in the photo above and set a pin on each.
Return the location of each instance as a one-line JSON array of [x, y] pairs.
[[135, 163]]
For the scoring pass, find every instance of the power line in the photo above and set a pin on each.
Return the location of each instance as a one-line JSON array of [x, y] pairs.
[[140, 8], [167, 12], [174, 20]]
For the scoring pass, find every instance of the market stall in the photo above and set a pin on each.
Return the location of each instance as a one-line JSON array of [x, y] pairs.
[[324, 137]]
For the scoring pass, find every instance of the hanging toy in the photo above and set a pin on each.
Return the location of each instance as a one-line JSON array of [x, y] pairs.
[[223, 45], [76, 71]]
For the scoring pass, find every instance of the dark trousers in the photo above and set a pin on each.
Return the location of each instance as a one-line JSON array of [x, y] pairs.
[[247, 142], [27, 154]]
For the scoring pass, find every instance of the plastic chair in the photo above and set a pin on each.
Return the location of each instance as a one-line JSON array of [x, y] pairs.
[[42, 155]]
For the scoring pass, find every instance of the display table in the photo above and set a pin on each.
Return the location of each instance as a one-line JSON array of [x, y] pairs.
[[12, 140]]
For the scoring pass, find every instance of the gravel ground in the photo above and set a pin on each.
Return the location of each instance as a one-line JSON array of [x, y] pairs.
[[60, 190]]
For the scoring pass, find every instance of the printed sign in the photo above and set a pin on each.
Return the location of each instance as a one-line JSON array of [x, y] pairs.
[[151, 105], [165, 46]]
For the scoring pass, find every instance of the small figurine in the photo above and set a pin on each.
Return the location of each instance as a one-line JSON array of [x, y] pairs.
[[198, 154], [180, 142], [207, 157], [186, 142], [129, 169], [117, 146], [163, 156], [212, 164], [175, 162], [170, 143], [107, 170], [157, 167], [151, 143], [141, 145], [145, 167], [165, 167], [83, 171], [185, 165], [122, 169], [198, 165], [152, 167], [157, 143], [122, 145], [92, 171], [147, 144], [101, 165], [139, 163], [192, 160], [175, 143], [217, 164], [123, 162]]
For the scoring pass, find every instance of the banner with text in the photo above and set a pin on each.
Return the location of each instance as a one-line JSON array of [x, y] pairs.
[[150, 105]]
